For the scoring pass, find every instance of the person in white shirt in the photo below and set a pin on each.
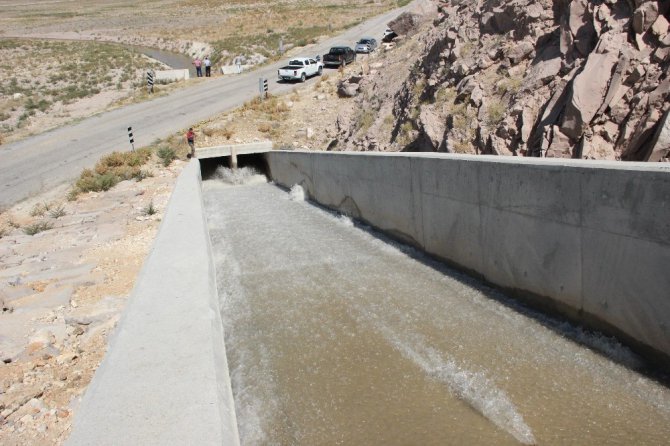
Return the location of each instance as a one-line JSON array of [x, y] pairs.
[[208, 67]]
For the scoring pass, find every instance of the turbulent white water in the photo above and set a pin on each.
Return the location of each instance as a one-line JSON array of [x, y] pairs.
[[338, 336], [297, 193], [472, 387], [240, 176]]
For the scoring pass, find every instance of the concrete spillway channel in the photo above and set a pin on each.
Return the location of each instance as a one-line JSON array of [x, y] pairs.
[[335, 334]]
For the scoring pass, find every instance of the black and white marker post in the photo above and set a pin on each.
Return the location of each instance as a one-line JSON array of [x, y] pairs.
[[130, 137], [263, 87], [150, 81]]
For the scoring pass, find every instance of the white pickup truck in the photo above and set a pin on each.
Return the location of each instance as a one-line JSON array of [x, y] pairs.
[[300, 68]]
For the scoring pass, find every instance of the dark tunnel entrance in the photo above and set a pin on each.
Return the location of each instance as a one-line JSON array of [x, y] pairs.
[[256, 161]]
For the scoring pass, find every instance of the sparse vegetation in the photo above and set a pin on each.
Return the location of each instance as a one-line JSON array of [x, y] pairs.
[[167, 155], [365, 120], [57, 212], [76, 70], [495, 112], [110, 170], [510, 85], [149, 209], [36, 228], [38, 210]]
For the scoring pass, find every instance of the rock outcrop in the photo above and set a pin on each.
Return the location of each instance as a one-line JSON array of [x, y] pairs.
[[563, 78]]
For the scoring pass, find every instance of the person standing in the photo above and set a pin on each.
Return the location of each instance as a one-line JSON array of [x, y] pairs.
[[208, 67], [190, 138], [198, 66]]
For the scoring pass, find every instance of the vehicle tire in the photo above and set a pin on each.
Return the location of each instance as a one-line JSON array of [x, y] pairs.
[[320, 72], [302, 78]]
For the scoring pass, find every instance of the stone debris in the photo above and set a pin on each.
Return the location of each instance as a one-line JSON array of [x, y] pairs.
[[61, 296], [571, 78]]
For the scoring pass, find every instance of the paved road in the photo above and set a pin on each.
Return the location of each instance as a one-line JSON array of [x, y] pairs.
[[47, 160]]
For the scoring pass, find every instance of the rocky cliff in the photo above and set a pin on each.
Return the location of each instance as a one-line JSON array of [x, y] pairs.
[[557, 78]]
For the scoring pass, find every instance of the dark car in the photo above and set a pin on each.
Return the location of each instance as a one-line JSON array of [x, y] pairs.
[[339, 56]]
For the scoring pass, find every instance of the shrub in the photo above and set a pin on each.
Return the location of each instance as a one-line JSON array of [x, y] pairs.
[[227, 133], [149, 209], [495, 112], [36, 228], [96, 183], [142, 174], [38, 210], [366, 119], [72, 194], [166, 154], [57, 212]]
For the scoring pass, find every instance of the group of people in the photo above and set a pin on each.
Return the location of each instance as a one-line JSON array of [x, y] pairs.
[[198, 66]]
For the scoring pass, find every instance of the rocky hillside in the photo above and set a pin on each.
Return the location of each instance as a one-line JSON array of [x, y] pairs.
[[556, 78]]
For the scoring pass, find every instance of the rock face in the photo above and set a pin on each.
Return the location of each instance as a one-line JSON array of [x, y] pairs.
[[574, 78]]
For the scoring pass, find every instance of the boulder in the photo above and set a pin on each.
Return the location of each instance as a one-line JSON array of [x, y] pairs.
[[597, 147], [644, 17], [609, 131], [638, 149], [544, 68], [561, 146], [408, 22], [433, 126], [660, 144], [580, 23], [588, 91], [347, 89], [519, 51], [660, 27]]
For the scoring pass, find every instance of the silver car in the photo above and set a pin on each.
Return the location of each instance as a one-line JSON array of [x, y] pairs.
[[366, 45]]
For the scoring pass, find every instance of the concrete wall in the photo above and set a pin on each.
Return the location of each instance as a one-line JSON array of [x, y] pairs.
[[165, 377], [172, 75], [588, 239]]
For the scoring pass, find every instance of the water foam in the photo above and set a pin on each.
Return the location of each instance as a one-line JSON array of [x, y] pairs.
[[345, 221], [472, 387], [297, 193], [243, 175]]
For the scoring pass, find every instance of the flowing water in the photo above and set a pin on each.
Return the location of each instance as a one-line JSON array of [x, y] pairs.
[[337, 336]]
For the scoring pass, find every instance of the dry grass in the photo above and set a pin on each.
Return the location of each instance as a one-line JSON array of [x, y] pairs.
[[112, 169]]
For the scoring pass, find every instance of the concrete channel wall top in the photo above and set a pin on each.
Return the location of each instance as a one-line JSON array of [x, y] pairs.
[[590, 240], [165, 377]]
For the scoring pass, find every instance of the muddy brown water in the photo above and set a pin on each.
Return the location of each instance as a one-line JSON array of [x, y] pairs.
[[336, 336]]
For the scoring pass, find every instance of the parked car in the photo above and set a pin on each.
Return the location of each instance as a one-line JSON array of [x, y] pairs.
[[389, 35], [366, 45], [300, 69], [339, 56]]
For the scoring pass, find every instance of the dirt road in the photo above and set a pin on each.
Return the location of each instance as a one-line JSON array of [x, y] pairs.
[[44, 161]]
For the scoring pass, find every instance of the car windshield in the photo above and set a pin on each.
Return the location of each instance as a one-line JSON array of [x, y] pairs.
[[364, 41], [337, 50], [296, 62]]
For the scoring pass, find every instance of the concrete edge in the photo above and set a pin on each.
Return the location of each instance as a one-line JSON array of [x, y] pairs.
[[574, 163], [164, 379]]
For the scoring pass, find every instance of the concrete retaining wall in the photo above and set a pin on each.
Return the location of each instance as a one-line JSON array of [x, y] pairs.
[[172, 75], [588, 239], [165, 377]]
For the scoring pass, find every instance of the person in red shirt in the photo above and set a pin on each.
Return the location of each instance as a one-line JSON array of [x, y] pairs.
[[198, 66], [190, 138]]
